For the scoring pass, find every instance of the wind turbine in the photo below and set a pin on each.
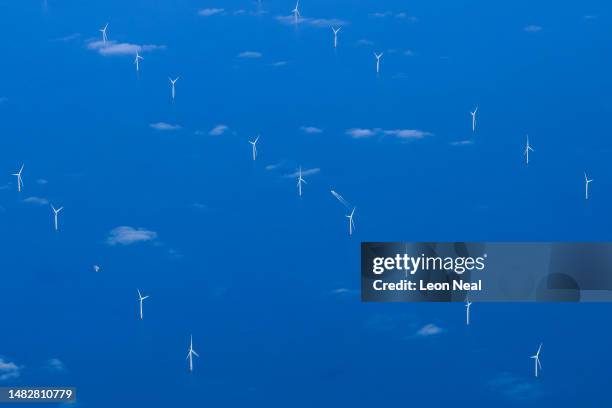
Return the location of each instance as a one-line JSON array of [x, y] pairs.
[[191, 353], [351, 222], [474, 119], [19, 179], [96, 268], [55, 213], [528, 149], [296, 11], [300, 180], [468, 304], [103, 31], [141, 300], [137, 61], [173, 86], [254, 143], [336, 31], [537, 363], [586, 186], [378, 57]]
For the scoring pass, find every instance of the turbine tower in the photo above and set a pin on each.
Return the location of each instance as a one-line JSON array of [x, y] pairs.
[[55, 216], [468, 304], [254, 149], [537, 362], [587, 181], [141, 300], [378, 57], [336, 31], [296, 11], [191, 353], [19, 179], [528, 149], [474, 119], [137, 61], [103, 31], [351, 222], [300, 180], [173, 86]]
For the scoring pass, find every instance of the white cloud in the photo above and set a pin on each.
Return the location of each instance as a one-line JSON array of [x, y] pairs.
[[279, 63], [126, 235], [365, 41], [462, 143], [218, 130], [8, 370], [311, 129], [210, 11], [164, 126], [42, 181], [67, 38], [111, 48], [360, 133], [274, 166], [250, 54], [407, 133], [514, 387], [305, 172], [430, 329], [401, 15], [55, 364], [314, 22], [532, 28], [36, 201]]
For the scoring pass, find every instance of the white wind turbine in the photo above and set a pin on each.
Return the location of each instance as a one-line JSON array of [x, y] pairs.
[[173, 86], [19, 179], [55, 216], [296, 11], [587, 181], [300, 180], [537, 362], [468, 304], [378, 57], [141, 301], [103, 31], [137, 61], [528, 149], [474, 119], [351, 222], [254, 144], [191, 353], [336, 31]]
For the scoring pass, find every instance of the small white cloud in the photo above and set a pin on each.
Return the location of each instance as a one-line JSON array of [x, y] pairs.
[[126, 235], [250, 54], [218, 130], [274, 166], [164, 126], [428, 330], [36, 201], [407, 133], [462, 143], [359, 133], [111, 48], [67, 38], [210, 11], [311, 129], [305, 172], [55, 364], [409, 53], [365, 41], [42, 182], [279, 63], [532, 28], [8, 370], [314, 22], [200, 207]]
